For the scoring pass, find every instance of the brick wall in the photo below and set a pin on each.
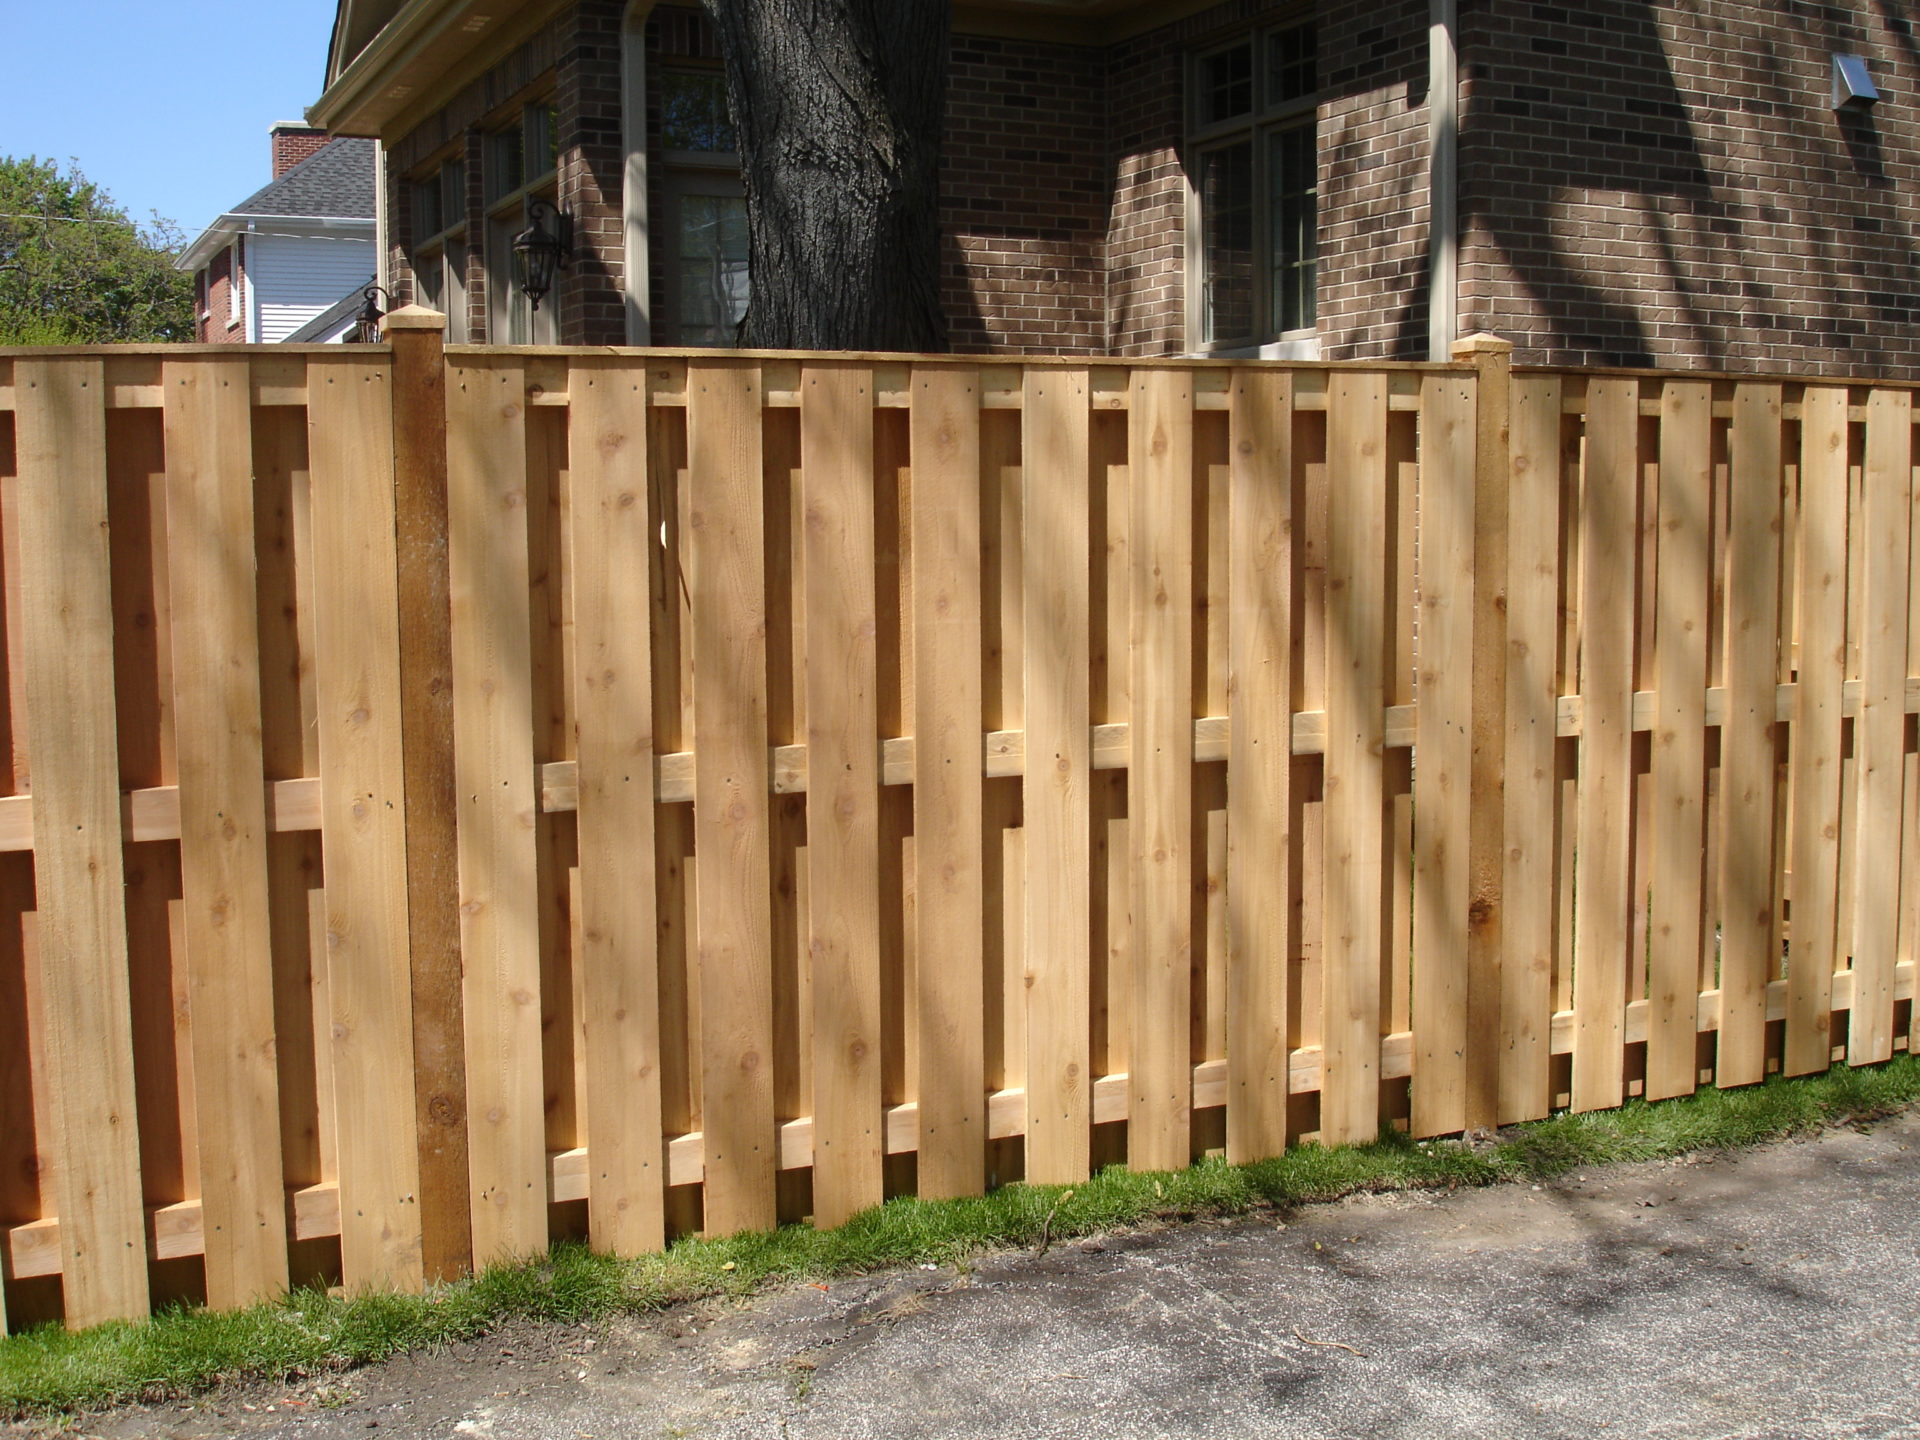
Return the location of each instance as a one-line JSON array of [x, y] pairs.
[[1146, 227], [1643, 181], [1023, 198], [591, 180], [294, 143], [219, 278], [1665, 184], [1373, 180]]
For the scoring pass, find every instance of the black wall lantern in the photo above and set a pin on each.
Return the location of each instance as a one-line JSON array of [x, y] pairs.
[[366, 325], [537, 251]]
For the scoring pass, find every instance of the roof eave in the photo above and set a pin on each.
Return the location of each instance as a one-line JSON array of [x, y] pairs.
[[341, 109], [213, 238], [427, 41], [435, 38]]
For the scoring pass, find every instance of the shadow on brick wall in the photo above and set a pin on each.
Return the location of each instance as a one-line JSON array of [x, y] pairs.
[[1636, 197]]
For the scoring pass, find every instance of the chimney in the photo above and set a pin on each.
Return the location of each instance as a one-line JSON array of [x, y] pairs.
[[294, 141]]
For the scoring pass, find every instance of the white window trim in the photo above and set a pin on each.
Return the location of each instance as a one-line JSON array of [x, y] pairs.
[[1297, 345]]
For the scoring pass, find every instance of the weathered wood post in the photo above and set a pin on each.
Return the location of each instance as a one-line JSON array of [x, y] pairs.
[[426, 686]]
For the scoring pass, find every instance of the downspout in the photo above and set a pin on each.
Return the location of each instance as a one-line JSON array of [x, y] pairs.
[[1443, 179]]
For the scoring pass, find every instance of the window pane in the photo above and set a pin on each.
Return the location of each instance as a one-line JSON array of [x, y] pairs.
[[509, 164], [1291, 65], [542, 140], [427, 219], [693, 112], [1294, 189], [1226, 84], [453, 193], [1226, 238], [430, 277], [453, 291], [713, 268]]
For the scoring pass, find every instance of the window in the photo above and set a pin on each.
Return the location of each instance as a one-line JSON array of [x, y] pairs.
[[705, 259], [693, 113], [522, 165], [440, 245], [236, 280], [521, 168], [1254, 164]]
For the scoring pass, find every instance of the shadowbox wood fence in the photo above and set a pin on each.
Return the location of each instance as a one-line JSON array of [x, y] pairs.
[[449, 798]]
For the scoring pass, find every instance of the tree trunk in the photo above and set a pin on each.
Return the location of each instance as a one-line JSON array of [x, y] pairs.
[[839, 106]]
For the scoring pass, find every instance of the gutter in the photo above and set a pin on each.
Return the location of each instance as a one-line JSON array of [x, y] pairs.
[[1443, 179], [216, 235]]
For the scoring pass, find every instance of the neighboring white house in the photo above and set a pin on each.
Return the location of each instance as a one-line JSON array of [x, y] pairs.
[[282, 262]]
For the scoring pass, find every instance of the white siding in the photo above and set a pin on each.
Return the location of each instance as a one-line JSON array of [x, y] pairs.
[[295, 279]]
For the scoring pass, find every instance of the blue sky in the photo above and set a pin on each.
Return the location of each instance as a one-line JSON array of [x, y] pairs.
[[164, 104]]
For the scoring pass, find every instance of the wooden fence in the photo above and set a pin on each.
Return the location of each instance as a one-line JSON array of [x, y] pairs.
[[451, 797]]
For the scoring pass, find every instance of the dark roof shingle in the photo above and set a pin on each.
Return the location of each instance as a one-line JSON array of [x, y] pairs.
[[335, 181]]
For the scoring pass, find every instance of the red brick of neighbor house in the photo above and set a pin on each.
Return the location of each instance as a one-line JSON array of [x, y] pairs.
[[216, 323]]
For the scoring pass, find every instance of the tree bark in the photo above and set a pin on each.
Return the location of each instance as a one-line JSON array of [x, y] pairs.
[[839, 106]]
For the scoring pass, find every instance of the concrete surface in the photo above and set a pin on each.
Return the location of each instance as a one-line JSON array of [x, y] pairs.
[[1770, 1294]]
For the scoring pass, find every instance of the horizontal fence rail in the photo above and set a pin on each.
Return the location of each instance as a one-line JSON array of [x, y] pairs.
[[455, 796]]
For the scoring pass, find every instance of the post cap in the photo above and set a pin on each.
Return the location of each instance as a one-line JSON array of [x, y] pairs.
[[1482, 344], [413, 317]]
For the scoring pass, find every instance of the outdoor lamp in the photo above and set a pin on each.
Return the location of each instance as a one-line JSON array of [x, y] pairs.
[[536, 250], [366, 325]]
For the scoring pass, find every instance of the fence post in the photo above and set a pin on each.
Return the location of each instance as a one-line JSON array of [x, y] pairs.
[[1492, 358], [426, 710]]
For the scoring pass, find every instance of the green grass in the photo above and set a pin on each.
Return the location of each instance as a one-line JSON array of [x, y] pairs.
[[185, 1350]]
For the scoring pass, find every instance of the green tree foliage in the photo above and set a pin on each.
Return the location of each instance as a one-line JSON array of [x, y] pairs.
[[75, 270]]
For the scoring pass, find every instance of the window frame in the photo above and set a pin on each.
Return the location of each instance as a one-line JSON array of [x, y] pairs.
[[1260, 127]]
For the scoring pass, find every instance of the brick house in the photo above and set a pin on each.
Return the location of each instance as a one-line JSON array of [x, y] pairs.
[[281, 263], [1639, 182]]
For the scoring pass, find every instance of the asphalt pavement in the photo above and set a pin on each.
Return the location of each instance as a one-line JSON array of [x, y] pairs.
[[1769, 1295]]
